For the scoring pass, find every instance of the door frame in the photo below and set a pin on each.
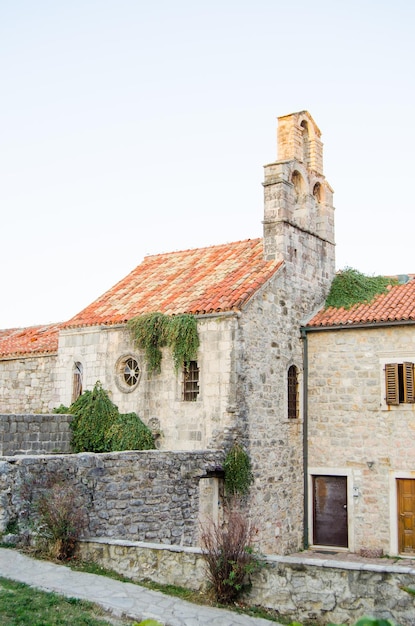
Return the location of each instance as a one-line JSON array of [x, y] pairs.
[[393, 509], [331, 471]]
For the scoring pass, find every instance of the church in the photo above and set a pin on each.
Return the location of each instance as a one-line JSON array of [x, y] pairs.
[[249, 298]]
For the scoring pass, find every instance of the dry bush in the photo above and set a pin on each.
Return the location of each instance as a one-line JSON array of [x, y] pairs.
[[228, 550], [60, 519]]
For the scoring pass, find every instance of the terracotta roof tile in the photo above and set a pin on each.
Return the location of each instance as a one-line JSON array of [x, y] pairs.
[[203, 280], [35, 340], [397, 305]]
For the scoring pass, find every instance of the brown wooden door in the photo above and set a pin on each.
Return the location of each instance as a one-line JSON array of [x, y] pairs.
[[406, 515], [330, 511]]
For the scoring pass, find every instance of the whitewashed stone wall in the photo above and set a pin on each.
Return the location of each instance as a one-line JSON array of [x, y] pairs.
[[27, 385], [146, 496], [352, 431], [158, 399], [298, 588]]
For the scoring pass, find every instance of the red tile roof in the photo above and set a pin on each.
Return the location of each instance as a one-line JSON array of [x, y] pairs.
[[397, 305], [203, 280], [36, 340]]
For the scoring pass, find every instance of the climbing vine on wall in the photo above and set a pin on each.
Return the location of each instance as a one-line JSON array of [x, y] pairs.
[[153, 331], [351, 287], [238, 474]]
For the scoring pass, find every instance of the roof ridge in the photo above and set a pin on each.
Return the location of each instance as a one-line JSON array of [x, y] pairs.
[[208, 247]]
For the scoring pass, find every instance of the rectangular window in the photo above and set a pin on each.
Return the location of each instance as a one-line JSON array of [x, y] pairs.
[[190, 381], [292, 384], [399, 383]]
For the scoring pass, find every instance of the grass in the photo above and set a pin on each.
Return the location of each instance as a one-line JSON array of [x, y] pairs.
[[21, 605]]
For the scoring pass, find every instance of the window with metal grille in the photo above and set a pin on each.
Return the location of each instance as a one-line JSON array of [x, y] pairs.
[[292, 382], [190, 381], [127, 373], [399, 383], [131, 372]]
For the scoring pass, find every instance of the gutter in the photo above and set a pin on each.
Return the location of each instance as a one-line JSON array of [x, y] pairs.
[[305, 436]]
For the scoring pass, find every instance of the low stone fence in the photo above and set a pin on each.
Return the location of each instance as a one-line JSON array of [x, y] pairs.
[[138, 495], [34, 434], [302, 589]]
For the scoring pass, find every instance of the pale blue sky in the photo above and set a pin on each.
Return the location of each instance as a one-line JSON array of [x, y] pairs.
[[134, 127]]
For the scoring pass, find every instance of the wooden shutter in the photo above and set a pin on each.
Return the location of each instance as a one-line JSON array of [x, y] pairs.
[[392, 383], [408, 382]]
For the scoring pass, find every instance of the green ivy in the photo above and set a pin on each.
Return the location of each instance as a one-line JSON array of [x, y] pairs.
[[150, 334], [238, 474], [99, 427], [351, 287], [183, 339], [153, 331]]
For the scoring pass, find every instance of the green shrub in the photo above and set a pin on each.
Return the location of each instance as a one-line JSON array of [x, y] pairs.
[[98, 426], [128, 432], [238, 474], [61, 409], [94, 413]]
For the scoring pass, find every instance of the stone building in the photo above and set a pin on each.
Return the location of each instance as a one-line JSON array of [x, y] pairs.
[[250, 298], [361, 425]]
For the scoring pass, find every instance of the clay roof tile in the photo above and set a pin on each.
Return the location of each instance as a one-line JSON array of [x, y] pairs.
[[397, 304]]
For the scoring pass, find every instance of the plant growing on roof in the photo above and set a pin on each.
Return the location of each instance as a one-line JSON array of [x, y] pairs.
[[153, 331], [351, 287]]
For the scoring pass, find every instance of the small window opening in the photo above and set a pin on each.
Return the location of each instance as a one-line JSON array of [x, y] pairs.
[[77, 381], [317, 192], [306, 145], [131, 372], [190, 381], [297, 181], [292, 380]]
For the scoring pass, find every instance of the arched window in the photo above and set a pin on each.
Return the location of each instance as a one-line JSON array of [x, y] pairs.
[[298, 182], [306, 142], [77, 380], [317, 192], [292, 388]]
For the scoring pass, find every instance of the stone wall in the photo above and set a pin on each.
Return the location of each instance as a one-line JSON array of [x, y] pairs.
[[352, 432], [299, 588], [27, 385], [34, 434], [147, 496], [269, 343]]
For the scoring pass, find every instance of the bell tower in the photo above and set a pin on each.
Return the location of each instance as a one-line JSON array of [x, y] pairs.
[[298, 201]]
